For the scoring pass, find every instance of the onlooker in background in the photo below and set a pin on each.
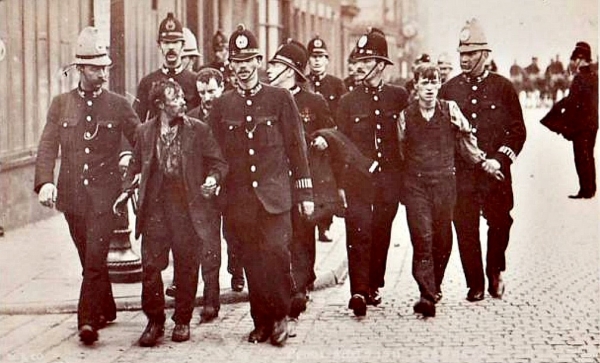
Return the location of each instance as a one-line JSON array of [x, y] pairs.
[[87, 125], [576, 118], [171, 43], [445, 65], [491, 105], [181, 166], [189, 54]]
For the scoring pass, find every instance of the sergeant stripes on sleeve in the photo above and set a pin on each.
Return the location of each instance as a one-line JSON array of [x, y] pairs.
[[304, 183], [508, 152]]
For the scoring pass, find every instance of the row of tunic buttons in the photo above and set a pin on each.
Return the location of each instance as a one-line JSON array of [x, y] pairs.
[[251, 150], [378, 127], [87, 149]]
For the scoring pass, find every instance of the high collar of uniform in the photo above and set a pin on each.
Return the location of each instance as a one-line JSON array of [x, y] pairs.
[[172, 71], [316, 77], [249, 92], [373, 89], [88, 94], [295, 90], [477, 79]]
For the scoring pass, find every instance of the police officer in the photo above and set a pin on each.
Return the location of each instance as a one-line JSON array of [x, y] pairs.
[[286, 69], [351, 82], [87, 124], [171, 43], [576, 118], [491, 105], [220, 60], [189, 53], [259, 129], [332, 88], [368, 116]]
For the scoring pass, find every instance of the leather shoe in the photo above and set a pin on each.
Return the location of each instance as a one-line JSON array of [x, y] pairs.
[[280, 332], [260, 334], [475, 295], [87, 334], [358, 304], [298, 304], [496, 288], [237, 283], [171, 291], [581, 196], [181, 333], [208, 314], [374, 298], [425, 307], [151, 334]]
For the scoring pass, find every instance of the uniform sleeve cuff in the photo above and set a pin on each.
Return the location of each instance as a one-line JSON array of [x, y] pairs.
[[304, 183], [508, 152]]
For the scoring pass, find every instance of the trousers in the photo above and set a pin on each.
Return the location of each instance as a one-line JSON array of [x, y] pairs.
[[91, 234]]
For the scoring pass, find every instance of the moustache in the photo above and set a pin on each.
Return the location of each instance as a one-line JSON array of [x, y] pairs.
[[171, 52]]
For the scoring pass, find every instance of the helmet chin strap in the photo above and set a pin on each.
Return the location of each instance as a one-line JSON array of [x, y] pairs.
[[278, 75], [479, 61], [368, 73]]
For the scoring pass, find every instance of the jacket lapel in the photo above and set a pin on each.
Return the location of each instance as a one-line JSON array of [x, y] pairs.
[[187, 142]]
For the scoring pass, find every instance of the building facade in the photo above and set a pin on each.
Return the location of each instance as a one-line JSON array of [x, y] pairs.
[[37, 43]]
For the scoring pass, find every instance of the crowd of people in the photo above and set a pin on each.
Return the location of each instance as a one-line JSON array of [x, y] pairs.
[[267, 160]]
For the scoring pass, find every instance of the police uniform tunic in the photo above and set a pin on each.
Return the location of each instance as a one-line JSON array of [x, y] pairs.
[[88, 127], [315, 115], [185, 78], [491, 105], [260, 133], [369, 116], [330, 87]]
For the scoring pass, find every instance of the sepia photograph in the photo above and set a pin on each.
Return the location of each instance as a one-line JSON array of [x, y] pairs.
[[310, 181]]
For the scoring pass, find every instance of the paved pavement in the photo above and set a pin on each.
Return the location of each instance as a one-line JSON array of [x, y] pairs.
[[41, 272], [550, 312]]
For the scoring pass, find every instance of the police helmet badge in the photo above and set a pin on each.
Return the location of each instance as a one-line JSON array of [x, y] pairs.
[[241, 41], [170, 25], [465, 34], [362, 41], [318, 43]]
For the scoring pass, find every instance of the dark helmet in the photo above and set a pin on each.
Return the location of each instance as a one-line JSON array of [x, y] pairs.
[[170, 29], [582, 51], [422, 58], [243, 44], [317, 46], [293, 54], [372, 45], [219, 41]]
